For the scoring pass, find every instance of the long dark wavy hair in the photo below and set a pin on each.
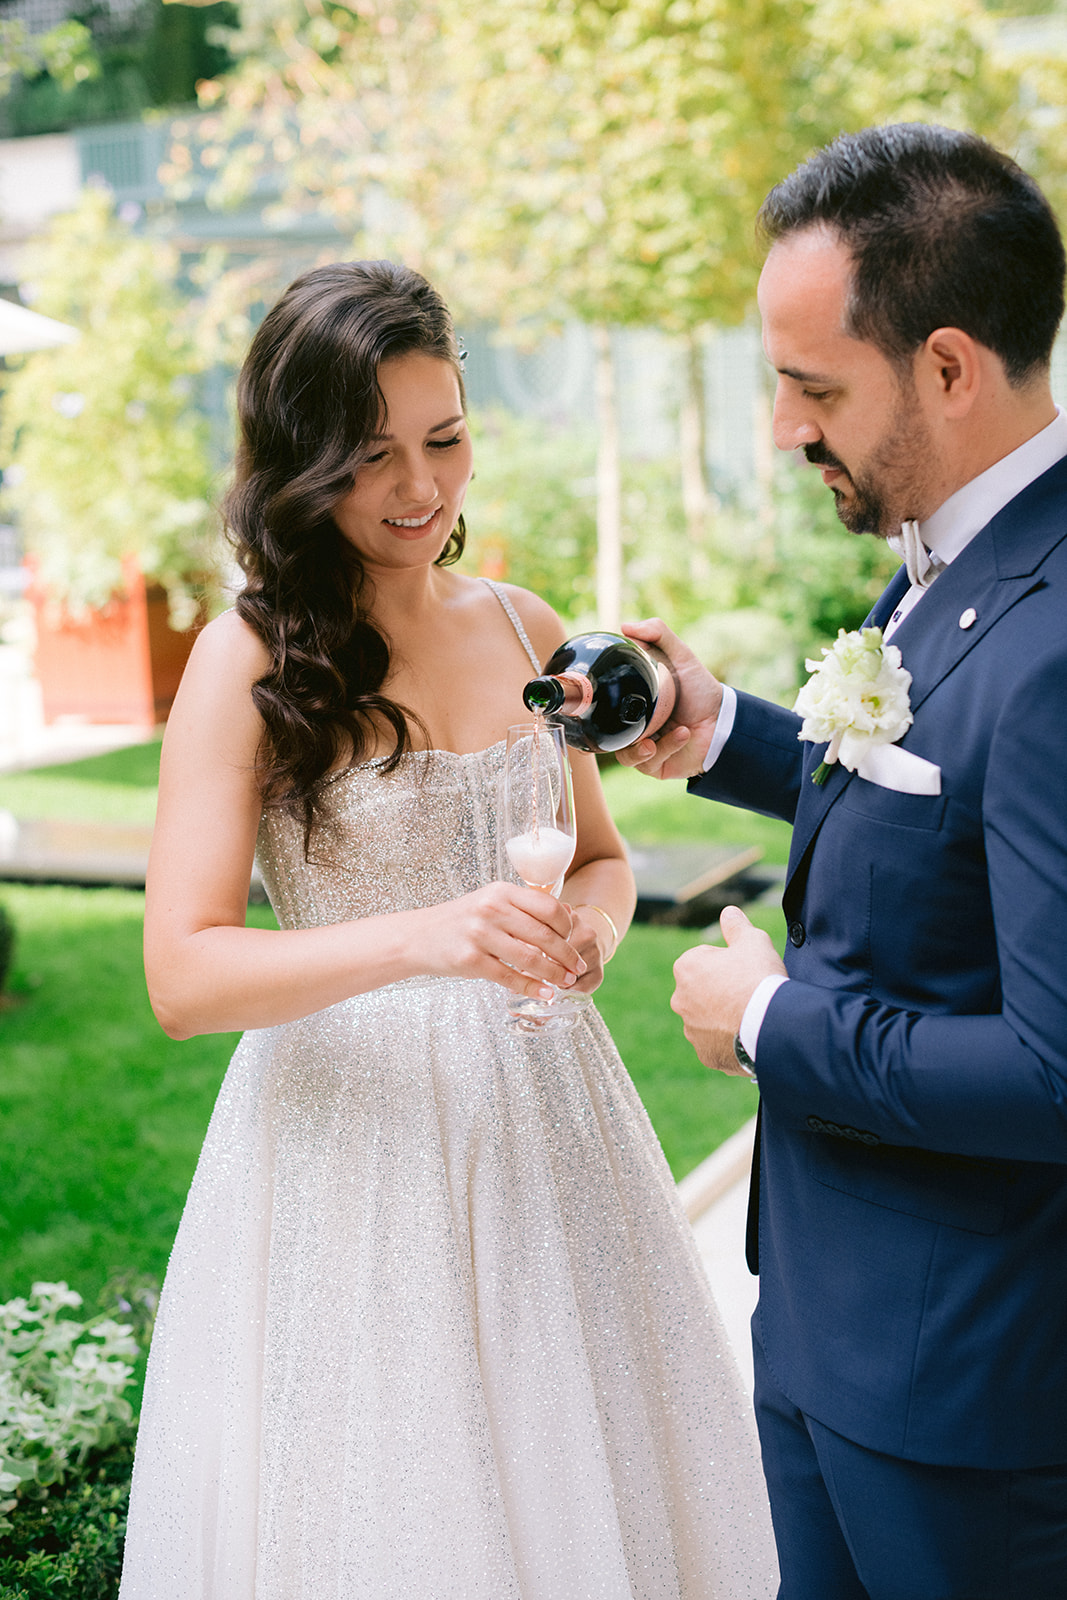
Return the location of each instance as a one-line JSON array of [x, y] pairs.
[[308, 403]]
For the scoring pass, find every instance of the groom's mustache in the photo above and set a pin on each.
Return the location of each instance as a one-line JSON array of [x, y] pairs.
[[818, 455]]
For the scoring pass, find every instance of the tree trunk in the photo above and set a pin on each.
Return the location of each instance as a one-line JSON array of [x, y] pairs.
[[608, 486], [692, 433]]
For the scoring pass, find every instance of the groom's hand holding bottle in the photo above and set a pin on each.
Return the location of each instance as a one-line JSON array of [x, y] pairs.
[[681, 746]]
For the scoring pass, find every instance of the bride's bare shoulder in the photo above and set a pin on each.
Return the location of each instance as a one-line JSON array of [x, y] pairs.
[[227, 644], [214, 698]]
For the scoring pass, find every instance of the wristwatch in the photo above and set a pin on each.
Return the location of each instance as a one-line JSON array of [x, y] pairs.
[[743, 1059]]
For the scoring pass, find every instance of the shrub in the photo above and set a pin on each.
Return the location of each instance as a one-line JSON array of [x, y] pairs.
[[106, 454], [68, 1544], [66, 1446], [61, 1391]]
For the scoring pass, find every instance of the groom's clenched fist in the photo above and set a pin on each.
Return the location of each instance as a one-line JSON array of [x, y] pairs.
[[714, 985]]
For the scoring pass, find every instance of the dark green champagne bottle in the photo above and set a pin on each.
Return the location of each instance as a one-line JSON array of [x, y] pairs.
[[603, 688]]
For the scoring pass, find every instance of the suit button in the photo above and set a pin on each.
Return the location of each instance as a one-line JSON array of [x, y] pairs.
[[797, 933]]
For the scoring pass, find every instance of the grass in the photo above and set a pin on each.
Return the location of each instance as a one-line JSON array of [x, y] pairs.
[[692, 1110], [652, 813], [117, 787], [102, 1115]]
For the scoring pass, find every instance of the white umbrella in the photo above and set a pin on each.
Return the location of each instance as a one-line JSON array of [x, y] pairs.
[[22, 330]]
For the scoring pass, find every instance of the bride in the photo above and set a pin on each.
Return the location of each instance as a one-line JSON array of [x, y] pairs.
[[433, 1325]]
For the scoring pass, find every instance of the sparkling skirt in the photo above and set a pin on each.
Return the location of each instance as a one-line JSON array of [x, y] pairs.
[[434, 1328]]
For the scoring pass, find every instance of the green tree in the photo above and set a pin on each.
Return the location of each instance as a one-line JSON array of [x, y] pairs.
[[541, 161], [64, 53], [106, 455], [106, 63], [613, 157], [599, 159]]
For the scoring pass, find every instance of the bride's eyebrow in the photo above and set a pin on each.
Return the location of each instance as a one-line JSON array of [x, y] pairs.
[[438, 427]]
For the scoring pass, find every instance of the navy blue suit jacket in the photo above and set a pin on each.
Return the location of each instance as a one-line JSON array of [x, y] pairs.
[[913, 1074]]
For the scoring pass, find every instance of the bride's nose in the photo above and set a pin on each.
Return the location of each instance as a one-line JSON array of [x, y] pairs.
[[416, 483]]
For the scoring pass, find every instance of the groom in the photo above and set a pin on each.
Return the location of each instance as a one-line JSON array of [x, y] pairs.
[[911, 1053]]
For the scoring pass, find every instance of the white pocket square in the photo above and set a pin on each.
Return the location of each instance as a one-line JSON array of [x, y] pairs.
[[893, 768]]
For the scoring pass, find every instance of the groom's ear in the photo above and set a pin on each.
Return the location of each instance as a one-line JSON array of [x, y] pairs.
[[950, 372]]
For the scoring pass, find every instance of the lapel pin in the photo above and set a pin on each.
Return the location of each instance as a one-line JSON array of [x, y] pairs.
[[968, 618]]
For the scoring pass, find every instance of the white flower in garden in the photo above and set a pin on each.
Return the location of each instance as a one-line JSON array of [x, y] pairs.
[[856, 697]]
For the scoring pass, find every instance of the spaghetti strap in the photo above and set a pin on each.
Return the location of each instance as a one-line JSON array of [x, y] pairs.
[[515, 621]]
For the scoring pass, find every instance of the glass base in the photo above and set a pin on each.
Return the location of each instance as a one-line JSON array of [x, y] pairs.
[[530, 1015]]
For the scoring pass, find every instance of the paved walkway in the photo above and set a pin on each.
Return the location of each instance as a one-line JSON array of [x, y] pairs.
[[25, 739], [715, 1198]]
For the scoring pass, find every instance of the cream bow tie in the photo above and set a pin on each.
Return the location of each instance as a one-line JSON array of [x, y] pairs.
[[923, 567]]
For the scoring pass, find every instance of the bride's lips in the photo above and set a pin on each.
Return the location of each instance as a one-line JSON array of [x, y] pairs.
[[421, 527]]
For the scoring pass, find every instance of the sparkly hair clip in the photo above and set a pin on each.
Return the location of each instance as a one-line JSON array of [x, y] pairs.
[[461, 352]]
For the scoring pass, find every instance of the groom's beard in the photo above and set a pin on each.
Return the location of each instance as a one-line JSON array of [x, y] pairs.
[[862, 511], [892, 486]]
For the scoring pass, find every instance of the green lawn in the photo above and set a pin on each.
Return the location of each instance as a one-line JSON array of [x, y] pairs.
[[117, 787], [102, 1115], [648, 812]]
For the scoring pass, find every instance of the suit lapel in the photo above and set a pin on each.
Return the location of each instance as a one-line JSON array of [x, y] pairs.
[[813, 806], [888, 600], [996, 570], [816, 799]]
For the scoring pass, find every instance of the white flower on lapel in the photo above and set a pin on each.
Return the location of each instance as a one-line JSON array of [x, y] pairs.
[[856, 698]]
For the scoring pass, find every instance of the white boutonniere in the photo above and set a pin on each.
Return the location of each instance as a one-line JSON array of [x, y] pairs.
[[855, 700]]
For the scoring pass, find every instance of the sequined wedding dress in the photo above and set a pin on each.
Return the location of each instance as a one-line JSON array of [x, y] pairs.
[[434, 1327]]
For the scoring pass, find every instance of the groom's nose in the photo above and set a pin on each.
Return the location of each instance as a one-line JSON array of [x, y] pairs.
[[792, 424]]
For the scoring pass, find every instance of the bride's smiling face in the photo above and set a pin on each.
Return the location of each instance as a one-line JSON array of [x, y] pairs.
[[409, 489]]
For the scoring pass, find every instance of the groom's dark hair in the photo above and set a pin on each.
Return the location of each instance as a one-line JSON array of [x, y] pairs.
[[944, 231]]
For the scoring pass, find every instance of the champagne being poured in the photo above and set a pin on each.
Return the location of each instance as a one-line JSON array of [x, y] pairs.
[[605, 690]]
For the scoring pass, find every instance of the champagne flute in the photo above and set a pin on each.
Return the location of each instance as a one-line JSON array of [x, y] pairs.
[[538, 832]]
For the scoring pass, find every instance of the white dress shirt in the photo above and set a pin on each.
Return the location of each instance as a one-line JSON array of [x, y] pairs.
[[950, 530]]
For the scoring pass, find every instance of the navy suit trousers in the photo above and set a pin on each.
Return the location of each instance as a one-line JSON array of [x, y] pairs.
[[853, 1524]]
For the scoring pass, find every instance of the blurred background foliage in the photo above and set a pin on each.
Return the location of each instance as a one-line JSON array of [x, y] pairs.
[[104, 63], [107, 454], [542, 161]]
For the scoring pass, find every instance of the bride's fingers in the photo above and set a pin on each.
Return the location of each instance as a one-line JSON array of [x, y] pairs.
[[530, 960], [516, 936], [555, 948], [511, 978]]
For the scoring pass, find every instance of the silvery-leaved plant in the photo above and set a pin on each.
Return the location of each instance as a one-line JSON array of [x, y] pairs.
[[856, 697], [62, 1386]]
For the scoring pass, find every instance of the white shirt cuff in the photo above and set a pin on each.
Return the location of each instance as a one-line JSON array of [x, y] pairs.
[[724, 726], [756, 1010]]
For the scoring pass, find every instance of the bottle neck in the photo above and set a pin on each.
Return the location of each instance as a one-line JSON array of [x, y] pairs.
[[577, 693], [568, 694]]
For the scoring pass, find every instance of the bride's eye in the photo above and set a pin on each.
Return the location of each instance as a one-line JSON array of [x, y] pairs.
[[444, 444]]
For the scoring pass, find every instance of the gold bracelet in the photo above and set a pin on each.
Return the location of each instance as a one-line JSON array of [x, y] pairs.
[[614, 930]]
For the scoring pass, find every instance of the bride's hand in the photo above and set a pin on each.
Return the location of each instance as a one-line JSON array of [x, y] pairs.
[[514, 936]]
